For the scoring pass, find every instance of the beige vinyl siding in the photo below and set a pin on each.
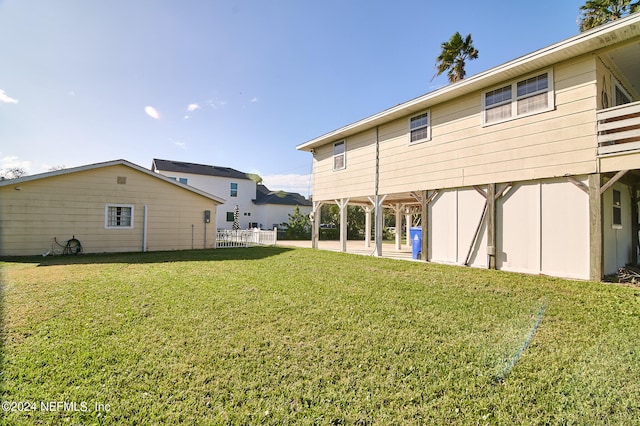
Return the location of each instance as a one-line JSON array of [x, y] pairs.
[[74, 205], [356, 179], [463, 152]]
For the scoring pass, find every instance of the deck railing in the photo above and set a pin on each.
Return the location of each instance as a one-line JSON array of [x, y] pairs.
[[245, 238], [619, 129]]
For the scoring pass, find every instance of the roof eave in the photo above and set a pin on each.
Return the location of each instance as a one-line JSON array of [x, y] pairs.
[[70, 170]]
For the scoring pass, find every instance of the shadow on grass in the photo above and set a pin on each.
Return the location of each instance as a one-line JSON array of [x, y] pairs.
[[251, 253]]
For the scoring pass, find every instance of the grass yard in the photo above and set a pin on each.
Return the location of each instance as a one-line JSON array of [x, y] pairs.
[[296, 336]]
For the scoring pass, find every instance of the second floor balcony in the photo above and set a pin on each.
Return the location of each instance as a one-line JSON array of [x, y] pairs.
[[619, 129]]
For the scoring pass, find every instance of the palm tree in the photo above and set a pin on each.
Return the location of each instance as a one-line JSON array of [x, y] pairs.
[[455, 53], [598, 12]]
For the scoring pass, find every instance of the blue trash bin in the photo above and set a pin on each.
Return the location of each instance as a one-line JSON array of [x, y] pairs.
[[415, 233]]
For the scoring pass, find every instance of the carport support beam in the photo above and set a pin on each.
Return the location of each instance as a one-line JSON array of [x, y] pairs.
[[634, 223], [491, 226], [343, 203], [408, 225], [315, 223], [595, 227], [367, 226], [398, 234], [424, 222]]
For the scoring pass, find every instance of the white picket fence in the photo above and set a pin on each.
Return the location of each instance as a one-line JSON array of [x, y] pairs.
[[245, 238]]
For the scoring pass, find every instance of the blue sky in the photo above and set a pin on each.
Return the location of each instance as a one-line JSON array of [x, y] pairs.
[[235, 83]]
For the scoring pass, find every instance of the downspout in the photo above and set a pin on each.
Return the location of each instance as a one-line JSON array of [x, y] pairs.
[[144, 229]]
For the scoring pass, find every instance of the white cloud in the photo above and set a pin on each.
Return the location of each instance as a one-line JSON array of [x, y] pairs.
[[254, 100], [288, 182], [192, 107], [6, 98], [152, 112], [11, 162], [180, 145]]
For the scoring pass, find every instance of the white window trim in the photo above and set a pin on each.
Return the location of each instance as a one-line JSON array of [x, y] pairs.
[[615, 84], [344, 155], [106, 216], [514, 98], [428, 126]]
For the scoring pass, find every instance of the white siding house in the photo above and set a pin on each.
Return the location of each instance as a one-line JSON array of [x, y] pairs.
[[531, 166], [258, 206]]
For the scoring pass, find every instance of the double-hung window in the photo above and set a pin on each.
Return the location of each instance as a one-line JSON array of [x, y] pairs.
[[531, 95], [419, 128], [233, 189], [118, 216], [339, 155]]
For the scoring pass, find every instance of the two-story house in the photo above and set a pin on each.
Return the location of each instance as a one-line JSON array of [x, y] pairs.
[[531, 166], [258, 207]]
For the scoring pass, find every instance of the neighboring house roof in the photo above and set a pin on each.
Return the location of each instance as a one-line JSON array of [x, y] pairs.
[[87, 167], [197, 169], [600, 37], [265, 196]]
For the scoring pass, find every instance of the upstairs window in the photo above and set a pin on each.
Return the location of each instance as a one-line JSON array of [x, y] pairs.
[[419, 128], [532, 94], [233, 190], [183, 180], [518, 99], [118, 216], [339, 155], [497, 104]]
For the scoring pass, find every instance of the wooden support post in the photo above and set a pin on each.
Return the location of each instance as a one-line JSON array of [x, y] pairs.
[[595, 227], [424, 220], [408, 225], [343, 204], [398, 211], [378, 216], [315, 223], [367, 226], [634, 224], [491, 226]]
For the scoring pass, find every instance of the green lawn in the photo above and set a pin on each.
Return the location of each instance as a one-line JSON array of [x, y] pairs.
[[299, 336]]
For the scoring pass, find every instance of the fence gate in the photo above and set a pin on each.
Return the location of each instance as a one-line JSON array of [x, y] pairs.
[[245, 238]]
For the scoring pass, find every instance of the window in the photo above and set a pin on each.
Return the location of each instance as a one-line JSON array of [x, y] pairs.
[[339, 156], [229, 216], [181, 180], [233, 192], [118, 216], [497, 104], [419, 128], [525, 97], [621, 96], [617, 210]]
